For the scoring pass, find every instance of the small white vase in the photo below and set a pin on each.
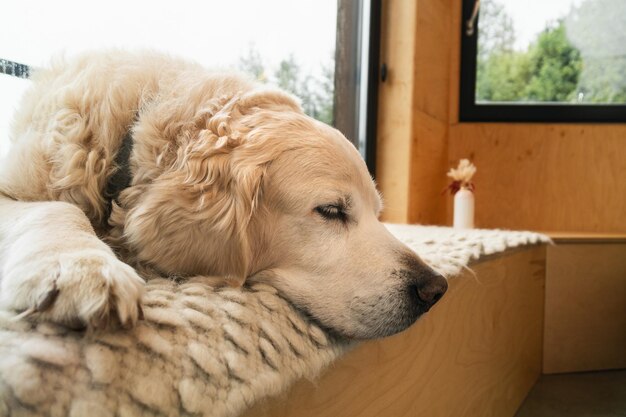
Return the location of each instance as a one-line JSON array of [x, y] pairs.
[[464, 209]]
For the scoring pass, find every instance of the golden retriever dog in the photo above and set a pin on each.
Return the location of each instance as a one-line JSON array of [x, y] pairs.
[[122, 161]]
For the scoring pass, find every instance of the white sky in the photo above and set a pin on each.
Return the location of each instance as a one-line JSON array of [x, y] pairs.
[[212, 32], [530, 16]]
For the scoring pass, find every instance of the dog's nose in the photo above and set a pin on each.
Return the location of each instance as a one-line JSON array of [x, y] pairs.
[[426, 285], [430, 289]]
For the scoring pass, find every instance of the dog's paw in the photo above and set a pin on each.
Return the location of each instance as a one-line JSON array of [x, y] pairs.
[[89, 288]]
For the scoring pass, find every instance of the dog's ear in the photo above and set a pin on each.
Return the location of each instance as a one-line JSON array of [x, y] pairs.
[[225, 164], [196, 220], [194, 217]]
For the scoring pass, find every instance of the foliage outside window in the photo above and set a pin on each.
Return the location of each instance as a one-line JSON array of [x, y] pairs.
[[575, 58], [315, 90]]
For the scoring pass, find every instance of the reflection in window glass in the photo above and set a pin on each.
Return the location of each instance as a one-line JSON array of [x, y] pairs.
[[557, 51], [281, 42]]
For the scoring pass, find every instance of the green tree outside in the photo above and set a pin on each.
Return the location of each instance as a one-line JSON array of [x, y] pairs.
[[316, 93], [563, 63], [252, 64], [554, 67]]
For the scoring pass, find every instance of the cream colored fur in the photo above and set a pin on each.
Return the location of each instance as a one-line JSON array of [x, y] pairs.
[[227, 181]]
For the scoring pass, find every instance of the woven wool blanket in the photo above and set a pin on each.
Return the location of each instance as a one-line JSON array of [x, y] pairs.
[[199, 351]]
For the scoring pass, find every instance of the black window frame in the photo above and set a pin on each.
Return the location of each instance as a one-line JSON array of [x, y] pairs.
[[357, 74], [470, 111]]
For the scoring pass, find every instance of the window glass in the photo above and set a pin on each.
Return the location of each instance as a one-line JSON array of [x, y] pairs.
[[282, 42], [556, 51]]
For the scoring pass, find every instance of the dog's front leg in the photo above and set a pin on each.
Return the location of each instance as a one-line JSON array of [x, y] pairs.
[[54, 267]]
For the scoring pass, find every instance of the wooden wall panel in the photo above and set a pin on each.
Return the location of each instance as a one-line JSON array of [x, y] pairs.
[[395, 118], [546, 177], [429, 159], [430, 113], [432, 58], [413, 116]]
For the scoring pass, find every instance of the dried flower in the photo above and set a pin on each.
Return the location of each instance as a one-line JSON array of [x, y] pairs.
[[461, 176]]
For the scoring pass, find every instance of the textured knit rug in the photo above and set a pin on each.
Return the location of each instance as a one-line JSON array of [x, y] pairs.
[[200, 351]]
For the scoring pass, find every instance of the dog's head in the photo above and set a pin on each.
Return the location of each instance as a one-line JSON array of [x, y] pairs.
[[271, 195]]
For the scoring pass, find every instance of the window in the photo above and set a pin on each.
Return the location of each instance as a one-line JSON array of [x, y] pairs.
[[290, 44], [545, 61], [357, 56]]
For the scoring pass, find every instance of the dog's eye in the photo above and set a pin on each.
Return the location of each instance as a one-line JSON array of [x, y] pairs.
[[332, 212]]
